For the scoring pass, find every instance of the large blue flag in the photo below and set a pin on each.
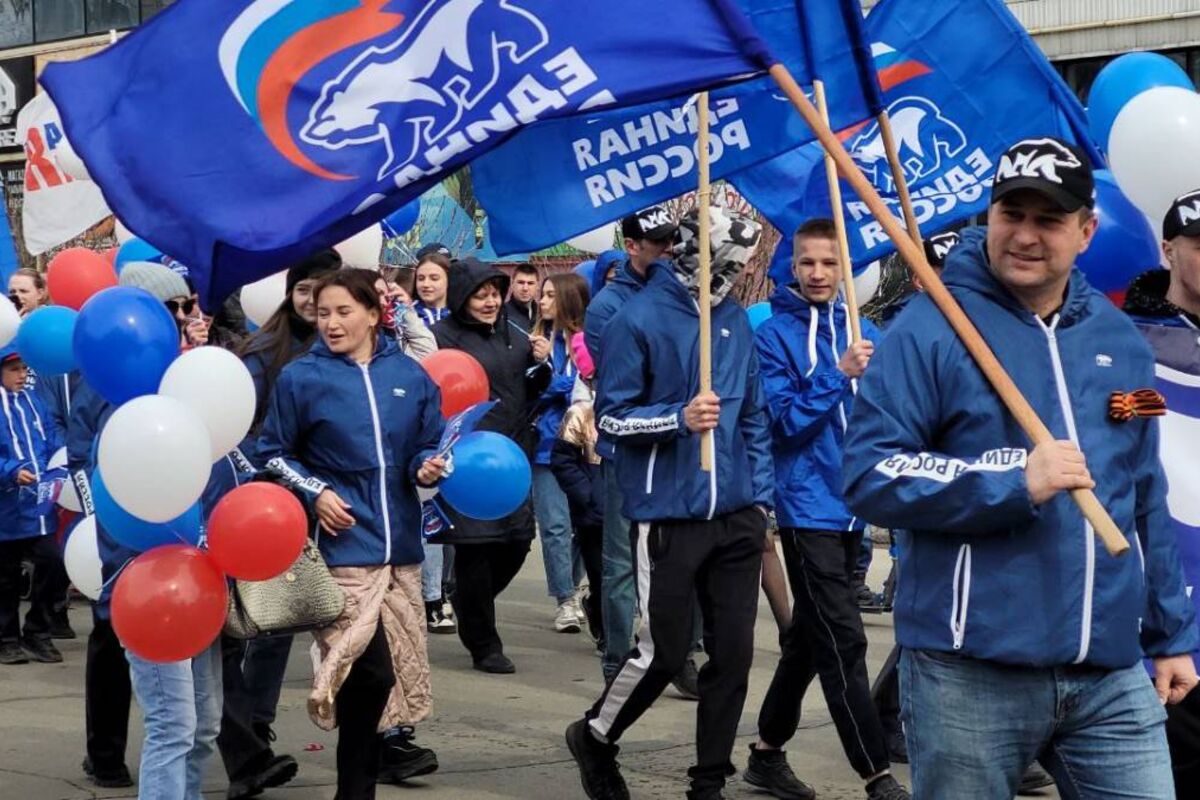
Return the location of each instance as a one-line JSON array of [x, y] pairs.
[[240, 136], [560, 178], [954, 107]]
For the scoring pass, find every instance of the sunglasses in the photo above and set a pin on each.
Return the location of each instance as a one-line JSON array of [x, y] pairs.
[[174, 306]]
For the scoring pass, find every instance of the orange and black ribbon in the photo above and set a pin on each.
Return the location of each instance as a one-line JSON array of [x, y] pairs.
[[1124, 406]]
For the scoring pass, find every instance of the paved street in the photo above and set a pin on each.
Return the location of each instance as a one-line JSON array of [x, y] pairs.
[[496, 736]]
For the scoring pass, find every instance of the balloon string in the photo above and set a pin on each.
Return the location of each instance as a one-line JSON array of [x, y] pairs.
[[116, 575]]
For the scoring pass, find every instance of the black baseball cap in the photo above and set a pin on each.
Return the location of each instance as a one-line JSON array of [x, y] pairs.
[[434, 248], [1183, 218], [653, 223], [1049, 166], [937, 247]]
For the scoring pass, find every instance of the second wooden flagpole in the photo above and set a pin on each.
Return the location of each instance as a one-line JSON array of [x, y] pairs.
[[703, 194], [839, 224], [893, 157]]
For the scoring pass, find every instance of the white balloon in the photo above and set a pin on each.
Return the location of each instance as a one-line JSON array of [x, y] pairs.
[[122, 233], [1154, 149], [262, 298], [155, 457], [362, 249], [596, 241], [10, 320], [215, 384], [81, 557], [67, 498], [867, 283]]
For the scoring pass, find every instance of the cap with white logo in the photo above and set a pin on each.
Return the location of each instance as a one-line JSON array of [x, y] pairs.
[[937, 247], [653, 223], [1049, 166], [1183, 218]]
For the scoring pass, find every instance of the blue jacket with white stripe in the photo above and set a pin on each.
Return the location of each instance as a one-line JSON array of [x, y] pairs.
[[363, 431], [430, 316], [931, 449], [646, 381], [556, 399], [28, 438], [808, 401]]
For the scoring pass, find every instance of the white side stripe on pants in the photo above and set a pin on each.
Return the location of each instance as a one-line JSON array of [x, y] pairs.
[[635, 669]]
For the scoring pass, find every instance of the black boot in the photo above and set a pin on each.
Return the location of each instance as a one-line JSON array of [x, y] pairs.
[[769, 770], [400, 758]]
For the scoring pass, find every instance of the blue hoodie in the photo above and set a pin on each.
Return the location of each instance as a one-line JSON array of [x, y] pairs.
[[28, 438], [363, 431], [556, 399], [931, 449], [645, 384], [808, 400]]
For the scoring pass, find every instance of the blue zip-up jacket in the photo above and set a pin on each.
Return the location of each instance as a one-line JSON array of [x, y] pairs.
[[606, 302], [645, 384], [430, 316], [808, 401], [932, 450], [556, 399], [58, 393], [28, 438], [363, 431]]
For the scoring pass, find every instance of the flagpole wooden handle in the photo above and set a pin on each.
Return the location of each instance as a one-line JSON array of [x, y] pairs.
[[839, 224], [893, 157], [1114, 541], [703, 194]]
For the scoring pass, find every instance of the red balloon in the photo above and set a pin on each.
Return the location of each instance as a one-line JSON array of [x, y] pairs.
[[169, 603], [76, 274], [110, 255], [460, 377], [257, 531]]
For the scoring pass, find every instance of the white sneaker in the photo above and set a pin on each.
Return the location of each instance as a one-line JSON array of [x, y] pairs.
[[447, 610], [565, 619]]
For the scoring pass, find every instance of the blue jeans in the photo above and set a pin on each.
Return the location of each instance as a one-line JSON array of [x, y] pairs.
[[181, 703], [431, 572], [554, 526], [618, 594], [974, 726]]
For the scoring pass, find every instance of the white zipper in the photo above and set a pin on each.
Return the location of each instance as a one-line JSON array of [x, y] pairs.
[[387, 520], [833, 348], [650, 469], [37, 471], [712, 476], [1064, 400], [962, 596]]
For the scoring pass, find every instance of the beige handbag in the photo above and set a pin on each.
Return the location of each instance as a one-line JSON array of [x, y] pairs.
[[304, 598]]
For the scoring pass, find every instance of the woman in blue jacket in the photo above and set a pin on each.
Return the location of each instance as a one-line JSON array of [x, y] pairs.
[[432, 284], [354, 425], [563, 303], [28, 437]]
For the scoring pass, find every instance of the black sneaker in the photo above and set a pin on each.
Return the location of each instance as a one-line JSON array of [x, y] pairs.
[[707, 793], [495, 664], [436, 620], [1034, 778], [400, 758], [12, 653], [887, 788], [276, 771], [108, 779], [687, 682], [769, 771], [598, 768], [864, 596], [42, 650], [60, 627]]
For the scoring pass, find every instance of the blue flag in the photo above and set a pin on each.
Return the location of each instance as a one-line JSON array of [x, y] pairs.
[[240, 136], [954, 109], [560, 178]]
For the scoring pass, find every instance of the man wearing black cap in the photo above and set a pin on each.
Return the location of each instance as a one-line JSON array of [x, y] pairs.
[[1165, 307], [1022, 638]]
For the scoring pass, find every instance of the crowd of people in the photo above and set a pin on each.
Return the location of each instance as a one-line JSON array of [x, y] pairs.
[[671, 500]]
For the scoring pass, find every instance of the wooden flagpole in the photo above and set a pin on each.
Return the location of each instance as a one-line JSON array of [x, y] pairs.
[[703, 195], [893, 157], [1014, 401], [839, 224]]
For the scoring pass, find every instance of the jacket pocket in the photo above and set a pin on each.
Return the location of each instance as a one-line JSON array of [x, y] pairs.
[[962, 596]]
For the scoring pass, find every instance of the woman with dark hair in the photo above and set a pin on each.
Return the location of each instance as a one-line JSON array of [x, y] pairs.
[[354, 425], [433, 282], [27, 290], [488, 554], [560, 316]]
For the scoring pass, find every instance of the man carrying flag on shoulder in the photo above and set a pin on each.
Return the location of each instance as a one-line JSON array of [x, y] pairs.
[[1021, 638], [1165, 307]]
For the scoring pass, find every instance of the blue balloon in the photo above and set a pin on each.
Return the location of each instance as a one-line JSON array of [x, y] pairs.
[[491, 476], [758, 313], [44, 340], [1124, 245], [586, 270], [1123, 79], [402, 220], [124, 341], [136, 250], [137, 534]]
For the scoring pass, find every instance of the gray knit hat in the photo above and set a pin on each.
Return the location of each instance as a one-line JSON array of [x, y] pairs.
[[162, 282]]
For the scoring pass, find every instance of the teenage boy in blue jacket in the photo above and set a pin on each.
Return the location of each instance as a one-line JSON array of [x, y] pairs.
[[699, 535], [1021, 637], [810, 371]]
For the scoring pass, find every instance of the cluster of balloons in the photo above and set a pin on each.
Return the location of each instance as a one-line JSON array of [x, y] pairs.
[[491, 475], [1144, 113]]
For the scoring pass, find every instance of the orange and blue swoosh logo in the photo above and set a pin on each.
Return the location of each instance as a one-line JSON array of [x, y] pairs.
[[273, 44]]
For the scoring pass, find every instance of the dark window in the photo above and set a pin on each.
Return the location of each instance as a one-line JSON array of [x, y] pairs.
[[57, 19], [16, 22], [104, 15]]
